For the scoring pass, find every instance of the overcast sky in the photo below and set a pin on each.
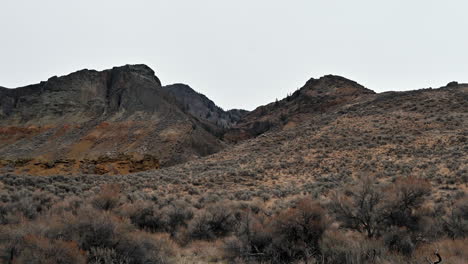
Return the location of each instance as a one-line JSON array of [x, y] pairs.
[[240, 53]]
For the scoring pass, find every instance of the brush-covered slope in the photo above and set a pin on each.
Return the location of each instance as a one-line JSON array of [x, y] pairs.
[[71, 123], [421, 133]]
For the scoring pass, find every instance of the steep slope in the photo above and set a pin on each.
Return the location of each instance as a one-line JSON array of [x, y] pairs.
[[89, 116], [205, 110], [317, 96]]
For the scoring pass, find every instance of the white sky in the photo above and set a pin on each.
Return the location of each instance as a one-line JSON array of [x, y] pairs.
[[240, 53]]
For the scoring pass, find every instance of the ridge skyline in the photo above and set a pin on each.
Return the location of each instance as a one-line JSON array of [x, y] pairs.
[[213, 96]]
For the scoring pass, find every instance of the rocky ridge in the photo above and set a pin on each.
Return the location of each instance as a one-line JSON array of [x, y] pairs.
[[316, 97]]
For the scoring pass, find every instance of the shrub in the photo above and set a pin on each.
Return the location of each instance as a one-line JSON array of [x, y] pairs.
[[106, 256], [292, 235], [213, 222], [145, 215], [40, 250], [108, 197], [399, 241], [402, 198], [103, 235], [338, 248], [253, 237], [455, 223], [297, 231], [143, 248], [177, 215], [20, 245]]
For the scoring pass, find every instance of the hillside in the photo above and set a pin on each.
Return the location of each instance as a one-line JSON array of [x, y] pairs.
[[115, 121], [420, 133], [316, 97]]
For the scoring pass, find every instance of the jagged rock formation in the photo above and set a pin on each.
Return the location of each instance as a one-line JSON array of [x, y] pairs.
[[88, 114]]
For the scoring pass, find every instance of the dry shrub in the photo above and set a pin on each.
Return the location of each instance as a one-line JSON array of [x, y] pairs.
[[297, 231], [252, 240], [108, 197], [106, 256], [40, 250], [19, 245], [176, 215], [213, 222], [400, 241], [402, 199], [209, 251], [12, 241], [455, 222], [69, 204], [144, 248], [103, 235], [145, 215], [292, 235], [340, 248]]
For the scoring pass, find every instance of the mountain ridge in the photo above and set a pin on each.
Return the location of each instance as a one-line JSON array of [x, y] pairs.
[[75, 121]]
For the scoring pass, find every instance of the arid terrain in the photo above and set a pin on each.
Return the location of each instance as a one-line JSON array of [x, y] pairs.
[[113, 167]]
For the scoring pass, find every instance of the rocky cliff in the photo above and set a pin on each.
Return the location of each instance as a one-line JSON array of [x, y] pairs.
[[89, 114]]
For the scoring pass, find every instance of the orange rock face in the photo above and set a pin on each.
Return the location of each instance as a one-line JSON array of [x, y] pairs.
[[109, 165]]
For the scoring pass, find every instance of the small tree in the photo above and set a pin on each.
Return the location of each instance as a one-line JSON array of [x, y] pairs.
[[361, 208], [371, 209]]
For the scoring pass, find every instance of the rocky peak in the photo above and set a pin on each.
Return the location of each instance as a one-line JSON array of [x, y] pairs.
[[140, 70], [84, 95], [317, 96], [333, 85]]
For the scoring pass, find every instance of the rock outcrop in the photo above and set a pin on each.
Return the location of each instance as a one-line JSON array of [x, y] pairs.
[[88, 114]]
